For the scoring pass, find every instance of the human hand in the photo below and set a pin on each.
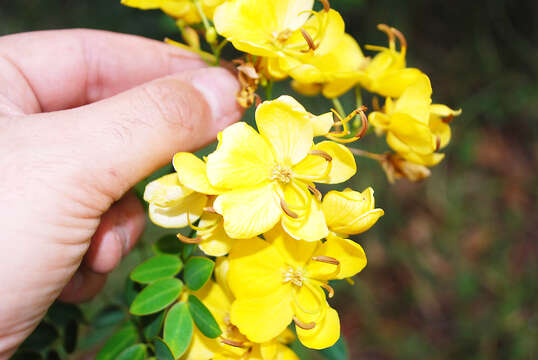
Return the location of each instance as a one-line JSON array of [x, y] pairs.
[[71, 149]]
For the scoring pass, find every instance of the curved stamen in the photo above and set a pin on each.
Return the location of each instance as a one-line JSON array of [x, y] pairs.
[[238, 344], [188, 240], [400, 36], [287, 210], [387, 30], [311, 45], [326, 5], [303, 325], [321, 153], [329, 289], [210, 209], [315, 192], [437, 142], [327, 260]]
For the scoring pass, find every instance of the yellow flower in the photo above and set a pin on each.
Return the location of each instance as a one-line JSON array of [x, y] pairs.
[[179, 9], [350, 212], [281, 280], [407, 120], [171, 204], [396, 167], [332, 74], [387, 74], [287, 33], [270, 175], [232, 345]]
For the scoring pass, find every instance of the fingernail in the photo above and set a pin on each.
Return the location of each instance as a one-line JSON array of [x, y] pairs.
[[220, 88]]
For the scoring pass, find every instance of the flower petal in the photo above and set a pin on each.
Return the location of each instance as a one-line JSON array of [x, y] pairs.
[[342, 165], [242, 159], [295, 252], [192, 173], [175, 216], [215, 241], [349, 254], [255, 268], [249, 212], [324, 334], [407, 135], [263, 318], [166, 191], [310, 303], [287, 128], [310, 225], [416, 100]]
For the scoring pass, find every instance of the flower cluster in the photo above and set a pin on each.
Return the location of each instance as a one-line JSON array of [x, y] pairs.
[[254, 202], [263, 184]]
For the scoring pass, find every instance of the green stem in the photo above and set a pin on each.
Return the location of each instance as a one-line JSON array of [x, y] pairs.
[[208, 27], [269, 90], [202, 15], [339, 108], [358, 102]]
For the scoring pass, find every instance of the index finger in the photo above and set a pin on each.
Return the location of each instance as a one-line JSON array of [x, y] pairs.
[[60, 69]]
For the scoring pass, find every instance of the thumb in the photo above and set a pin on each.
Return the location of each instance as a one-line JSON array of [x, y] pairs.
[[116, 142]]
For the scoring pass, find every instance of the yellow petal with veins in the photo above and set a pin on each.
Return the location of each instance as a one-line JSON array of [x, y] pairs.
[[407, 135], [324, 334], [255, 268], [295, 252], [349, 254], [286, 126], [310, 303], [310, 225], [166, 191], [416, 100], [249, 212], [263, 318], [342, 165], [243, 158], [192, 173], [215, 241], [175, 216]]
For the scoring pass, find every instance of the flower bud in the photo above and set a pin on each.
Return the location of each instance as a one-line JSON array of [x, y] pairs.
[[350, 212], [211, 35], [191, 37]]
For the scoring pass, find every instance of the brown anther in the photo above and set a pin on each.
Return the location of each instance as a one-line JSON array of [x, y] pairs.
[[375, 103], [364, 122], [387, 30], [448, 119], [329, 289], [233, 343], [400, 36], [326, 5], [327, 260], [287, 210], [437, 142], [188, 240], [303, 325], [321, 153], [315, 192], [311, 45], [210, 209], [283, 36]]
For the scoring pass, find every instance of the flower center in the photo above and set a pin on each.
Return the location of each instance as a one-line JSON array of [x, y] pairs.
[[281, 174], [296, 277]]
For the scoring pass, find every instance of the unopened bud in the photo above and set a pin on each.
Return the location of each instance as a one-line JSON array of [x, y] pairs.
[[191, 37], [211, 35]]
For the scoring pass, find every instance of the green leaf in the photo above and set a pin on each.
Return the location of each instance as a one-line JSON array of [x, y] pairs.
[[70, 336], [43, 336], [131, 290], [198, 270], [167, 245], [336, 352], [121, 340], [162, 351], [156, 268], [178, 329], [204, 320], [156, 296], [111, 315], [187, 251], [152, 324], [135, 352]]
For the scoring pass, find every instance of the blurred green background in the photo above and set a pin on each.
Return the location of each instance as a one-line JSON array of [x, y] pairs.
[[452, 267]]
